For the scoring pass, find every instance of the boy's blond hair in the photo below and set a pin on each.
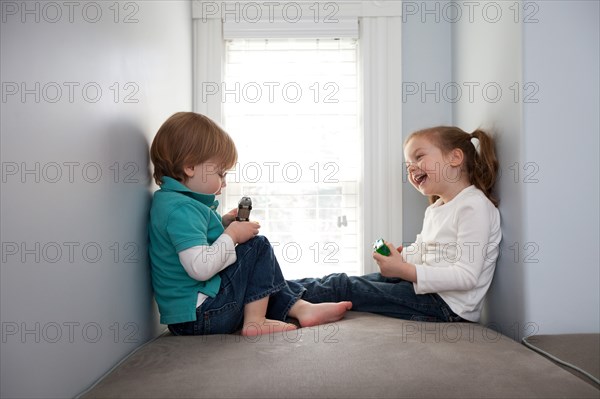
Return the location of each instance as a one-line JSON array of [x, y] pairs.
[[189, 139]]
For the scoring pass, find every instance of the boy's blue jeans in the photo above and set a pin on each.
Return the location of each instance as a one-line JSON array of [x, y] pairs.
[[377, 294], [254, 275]]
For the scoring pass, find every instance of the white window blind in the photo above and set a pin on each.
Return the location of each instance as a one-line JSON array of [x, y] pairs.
[[292, 107]]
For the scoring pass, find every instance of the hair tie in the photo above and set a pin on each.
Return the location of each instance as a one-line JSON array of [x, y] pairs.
[[475, 142]]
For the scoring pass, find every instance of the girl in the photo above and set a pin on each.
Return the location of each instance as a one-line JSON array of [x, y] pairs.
[[204, 283], [444, 275]]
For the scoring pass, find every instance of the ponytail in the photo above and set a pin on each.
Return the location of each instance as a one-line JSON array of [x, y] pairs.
[[485, 165]]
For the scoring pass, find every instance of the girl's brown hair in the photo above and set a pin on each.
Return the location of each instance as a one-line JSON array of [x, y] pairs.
[[189, 139], [481, 166]]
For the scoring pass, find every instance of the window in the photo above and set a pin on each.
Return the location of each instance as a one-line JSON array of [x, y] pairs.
[[292, 107], [310, 189]]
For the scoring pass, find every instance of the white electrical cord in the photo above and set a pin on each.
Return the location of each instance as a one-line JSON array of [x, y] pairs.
[[559, 361]]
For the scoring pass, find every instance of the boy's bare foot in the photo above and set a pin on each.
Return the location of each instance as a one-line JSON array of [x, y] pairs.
[[314, 314], [265, 326]]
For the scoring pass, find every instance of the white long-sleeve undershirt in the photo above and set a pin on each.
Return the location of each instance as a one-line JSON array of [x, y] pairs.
[[202, 262]]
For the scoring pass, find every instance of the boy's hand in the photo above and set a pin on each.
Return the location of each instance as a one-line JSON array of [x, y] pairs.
[[240, 232], [229, 217]]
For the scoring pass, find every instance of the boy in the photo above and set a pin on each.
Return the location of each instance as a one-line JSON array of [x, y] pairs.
[[212, 274]]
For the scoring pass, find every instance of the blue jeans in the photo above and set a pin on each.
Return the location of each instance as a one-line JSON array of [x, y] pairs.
[[377, 294], [254, 275]]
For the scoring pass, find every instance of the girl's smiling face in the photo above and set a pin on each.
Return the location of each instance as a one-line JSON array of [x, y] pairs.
[[425, 164], [431, 171]]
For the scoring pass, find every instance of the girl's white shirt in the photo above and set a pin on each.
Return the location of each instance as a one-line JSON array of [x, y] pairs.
[[455, 254], [204, 261]]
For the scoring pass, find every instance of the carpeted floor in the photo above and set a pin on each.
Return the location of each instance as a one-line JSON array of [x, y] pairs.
[[362, 356]]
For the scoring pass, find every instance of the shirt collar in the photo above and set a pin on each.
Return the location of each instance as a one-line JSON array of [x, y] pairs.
[[170, 184]]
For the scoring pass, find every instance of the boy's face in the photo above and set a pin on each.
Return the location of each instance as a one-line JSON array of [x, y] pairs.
[[205, 178]]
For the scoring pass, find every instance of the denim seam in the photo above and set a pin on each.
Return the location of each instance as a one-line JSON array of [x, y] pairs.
[[445, 308], [270, 292], [446, 313], [291, 303]]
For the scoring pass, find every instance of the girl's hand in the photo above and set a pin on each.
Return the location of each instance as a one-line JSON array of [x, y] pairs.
[[394, 265], [240, 232], [229, 217]]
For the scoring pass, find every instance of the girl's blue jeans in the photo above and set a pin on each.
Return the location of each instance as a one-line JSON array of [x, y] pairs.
[[254, 275], [377, 294]]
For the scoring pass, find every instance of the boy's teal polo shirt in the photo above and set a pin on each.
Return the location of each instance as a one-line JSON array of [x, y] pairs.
[[180, 219]]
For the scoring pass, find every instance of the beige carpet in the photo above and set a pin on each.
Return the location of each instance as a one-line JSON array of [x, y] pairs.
[[362, 356]]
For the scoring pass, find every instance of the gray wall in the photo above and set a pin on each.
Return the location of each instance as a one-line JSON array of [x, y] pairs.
[[547, 276], [426, 61], [561, 55], [84, 89], [487, 56]]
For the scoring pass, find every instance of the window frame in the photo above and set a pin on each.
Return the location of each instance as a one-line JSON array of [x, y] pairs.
[[380, 70]]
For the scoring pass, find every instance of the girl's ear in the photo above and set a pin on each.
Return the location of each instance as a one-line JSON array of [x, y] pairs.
[[456, 157], [189, 171]]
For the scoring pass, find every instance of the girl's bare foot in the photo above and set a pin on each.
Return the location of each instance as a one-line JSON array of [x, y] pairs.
[[314, 314], [265, 326]]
